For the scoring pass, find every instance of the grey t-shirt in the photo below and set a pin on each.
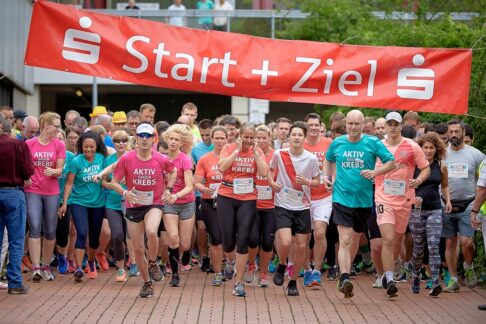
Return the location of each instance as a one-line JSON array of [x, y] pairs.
[[462, 167]]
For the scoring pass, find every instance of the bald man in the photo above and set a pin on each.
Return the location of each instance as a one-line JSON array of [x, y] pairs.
[[349, 170], [30, 128]]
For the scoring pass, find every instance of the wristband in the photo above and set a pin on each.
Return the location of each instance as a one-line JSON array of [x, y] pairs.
[[475, 211], [124, 193], [170, 189], [418, 179]]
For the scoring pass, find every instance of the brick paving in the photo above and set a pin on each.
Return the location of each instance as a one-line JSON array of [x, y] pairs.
[[104, 301]]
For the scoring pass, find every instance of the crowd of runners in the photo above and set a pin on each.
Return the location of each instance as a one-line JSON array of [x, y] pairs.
[[321, 200]]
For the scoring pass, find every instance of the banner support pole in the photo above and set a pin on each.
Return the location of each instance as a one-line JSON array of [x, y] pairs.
[[95, 92]]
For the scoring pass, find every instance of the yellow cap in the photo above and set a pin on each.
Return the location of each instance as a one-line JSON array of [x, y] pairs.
[[98, 110], [119, 117]]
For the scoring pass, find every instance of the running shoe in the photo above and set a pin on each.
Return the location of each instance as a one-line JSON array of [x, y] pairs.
[[316, 279], [436, 289], [290, 271], [154, 271], [228, 270], [239, 290], [292, 288], [133, 271], [325, 267], [301, 272], [279, 275], [308, 278], [217, 280], [206, 264], [62, 264], [429, 284], [378, 282], [71, 267], [332, 273], [446, 275], [92, 271], [263, 281], [37, 274], [3, 285], [186, 268], [147, 290], [22, 290], [424, 274], [78, 275], [175, 280], [121, 275], [250, 273], [163, 268], [346, 287], [452, 287], [471, 279], [272, 267], [416, 285], [391, 289], [186, 257], [102, 261], [46, 273], [399, 269]]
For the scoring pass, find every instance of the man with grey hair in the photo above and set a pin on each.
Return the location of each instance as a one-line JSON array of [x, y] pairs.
[[69, 117], [105, 121], [30, 128], [80, 123], [16, 166]]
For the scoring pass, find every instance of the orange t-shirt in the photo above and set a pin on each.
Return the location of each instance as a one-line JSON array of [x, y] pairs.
[[267, 201], [319, 151], [207, 167], [243, 167]]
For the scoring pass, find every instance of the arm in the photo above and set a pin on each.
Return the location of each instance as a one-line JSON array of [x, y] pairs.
[[329, 172], [171, 179], [225, 163], [476, 205], [106, 171], [275, 186], [57, 171], [424, 175], [261, 164], [314, 182], [68, 187], [444, 183], [128, 194], [189, 185], [384, 168]]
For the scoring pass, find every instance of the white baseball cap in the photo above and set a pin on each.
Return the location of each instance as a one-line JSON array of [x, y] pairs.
[[393, 116], [145, 129]]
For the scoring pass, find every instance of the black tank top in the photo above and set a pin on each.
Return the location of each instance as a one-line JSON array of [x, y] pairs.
[[429, 189]]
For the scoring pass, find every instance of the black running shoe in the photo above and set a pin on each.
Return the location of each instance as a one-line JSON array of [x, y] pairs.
[[292, 288]]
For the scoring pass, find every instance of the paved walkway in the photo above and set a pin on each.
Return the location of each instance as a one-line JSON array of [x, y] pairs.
[[196, 301]]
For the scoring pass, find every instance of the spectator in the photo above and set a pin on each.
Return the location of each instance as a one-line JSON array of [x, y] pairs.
[[30, 128], [119, 120], [69, 117], [468, 135], [411, 118], [441, 130], [176, 18], [220, 23], [80, 123], [19, 116], [369, 126], [205, 22], [133, 119], [132, 5]]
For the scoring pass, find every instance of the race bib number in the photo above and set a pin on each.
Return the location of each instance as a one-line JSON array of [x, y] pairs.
[[264, 193], [243, 186], [458, 170], [145, 198], [395, 187], [215, 187], [292, 197]]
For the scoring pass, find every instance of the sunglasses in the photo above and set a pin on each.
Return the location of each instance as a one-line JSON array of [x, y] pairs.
[[120, 141], [145, 135]]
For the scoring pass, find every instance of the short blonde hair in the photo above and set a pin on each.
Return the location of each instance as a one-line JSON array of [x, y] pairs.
[[48, 118], [147, 106], [98, 129], [186, 136], [264, 128]]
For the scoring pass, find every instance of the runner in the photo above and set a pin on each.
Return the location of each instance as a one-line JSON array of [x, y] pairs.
[[394, 193], [42, 194], [352, 158], [321, 199], [207, 180], [263, 231], [298, 170], [86, 198], [239, 162], [179, 217], [426, 220], [143, 170]]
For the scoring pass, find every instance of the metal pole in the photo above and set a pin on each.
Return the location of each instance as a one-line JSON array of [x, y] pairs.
[[228, 21], [95, 92], [273, 24]]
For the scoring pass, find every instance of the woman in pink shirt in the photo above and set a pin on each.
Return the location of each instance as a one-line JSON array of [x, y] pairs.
[[179, 209], [42, 194]]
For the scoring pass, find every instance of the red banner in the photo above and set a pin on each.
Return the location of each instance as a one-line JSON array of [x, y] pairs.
[[155, 54]]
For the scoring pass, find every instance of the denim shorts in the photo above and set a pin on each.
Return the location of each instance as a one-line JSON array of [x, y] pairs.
[[458, 224], [184, 211]]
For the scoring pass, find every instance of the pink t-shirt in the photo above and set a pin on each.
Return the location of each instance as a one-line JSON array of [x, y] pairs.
[[146, 177], [392, 187], [45, 156], [183, 163]]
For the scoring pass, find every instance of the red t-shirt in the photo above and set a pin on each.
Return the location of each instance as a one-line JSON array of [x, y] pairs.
[[243, 169], [319, 151], [266, 196], [207, 167]]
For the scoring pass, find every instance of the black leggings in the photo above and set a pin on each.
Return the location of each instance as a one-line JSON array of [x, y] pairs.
[[263, 231], [63, 227], [235, 218], [118, 228], [210, 218]]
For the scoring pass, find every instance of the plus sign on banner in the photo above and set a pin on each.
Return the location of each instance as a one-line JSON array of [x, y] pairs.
[[155, 54]]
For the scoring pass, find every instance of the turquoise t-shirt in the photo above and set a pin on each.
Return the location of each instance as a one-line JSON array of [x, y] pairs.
[[85, 192], [206, 5], [113, 199], [62, 179], [350, 188]]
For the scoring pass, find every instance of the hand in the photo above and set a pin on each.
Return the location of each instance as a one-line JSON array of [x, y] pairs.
[[49, 172], [448, 207], [414, 183], [209, 191], [276, 187], [475, 223], [171, 199], [329, 184], [300, 179], [96, 177], [239, 144], [167, 195], [418, 202], [131, 197], [62, 211], [27, 183], [368, 174]]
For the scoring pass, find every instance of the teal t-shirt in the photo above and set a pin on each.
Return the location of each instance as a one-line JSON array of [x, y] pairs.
[[86, 192], [350, 188], [206, 5], [62, 179], [113, 199]]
